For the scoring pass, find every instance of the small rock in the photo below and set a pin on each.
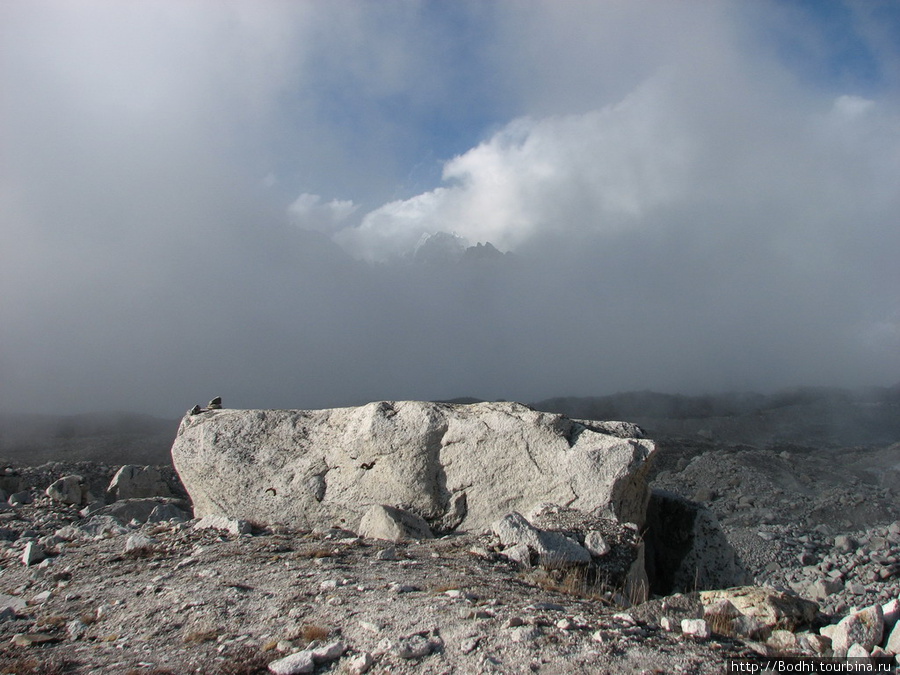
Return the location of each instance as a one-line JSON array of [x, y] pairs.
[[294, 664], [330, 652], [857, 651], [525, 634], [230, 525], [20, 498], [469, 645], [33, 553], [76, 629], [392, 524], [29, 639], [397, 587], [414, 647], [69, 490], [697, 628], [40, 598], [139, 542], [844, 543], [595, 544], [386, 554], [360, 664], [891, 612]]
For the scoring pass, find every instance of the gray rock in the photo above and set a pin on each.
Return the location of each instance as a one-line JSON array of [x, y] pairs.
[[139, 509], [166, 512], [414, 647], [70, 490], [504, 456], [329, 652], [596, 544], [524, 634], [823, 588], [103, 526], [864, 628], [553, 549], [294, 664], [33, 553], [19, 498], [139, 542], [230, 525], [393, 524], [136, 482], [844, 543]]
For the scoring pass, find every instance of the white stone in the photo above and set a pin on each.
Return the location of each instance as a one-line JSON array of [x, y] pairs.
[[697, 628], [329, 652], [864, 628], [393, 524], [294, 664], [596, 544], [360, 664], [421, 455]]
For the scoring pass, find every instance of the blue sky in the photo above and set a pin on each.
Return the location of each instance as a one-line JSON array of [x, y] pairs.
[[201, 198]]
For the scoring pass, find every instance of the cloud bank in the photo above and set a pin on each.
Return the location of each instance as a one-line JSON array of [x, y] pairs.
[[201, 199]]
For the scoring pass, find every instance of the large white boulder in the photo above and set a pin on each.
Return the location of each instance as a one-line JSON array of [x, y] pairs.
[[459, 466]]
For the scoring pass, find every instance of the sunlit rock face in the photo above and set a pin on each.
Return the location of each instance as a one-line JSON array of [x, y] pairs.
[[456, 466]]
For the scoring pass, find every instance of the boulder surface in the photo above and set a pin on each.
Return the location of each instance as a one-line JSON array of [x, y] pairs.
[[464, 465]]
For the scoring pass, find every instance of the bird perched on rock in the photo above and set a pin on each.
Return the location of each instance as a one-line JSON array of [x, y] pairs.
[[215, 404], [195, 410]]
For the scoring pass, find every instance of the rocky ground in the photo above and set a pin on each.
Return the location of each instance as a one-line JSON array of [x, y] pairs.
[[170, 597]]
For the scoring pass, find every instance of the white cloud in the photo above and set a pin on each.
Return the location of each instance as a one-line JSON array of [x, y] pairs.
[[309, 212], [602, 171]]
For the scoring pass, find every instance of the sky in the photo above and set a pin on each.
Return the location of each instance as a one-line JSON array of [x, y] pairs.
[[281, 202]]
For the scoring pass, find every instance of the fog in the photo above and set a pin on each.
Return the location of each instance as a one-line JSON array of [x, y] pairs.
[[236, 198]]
